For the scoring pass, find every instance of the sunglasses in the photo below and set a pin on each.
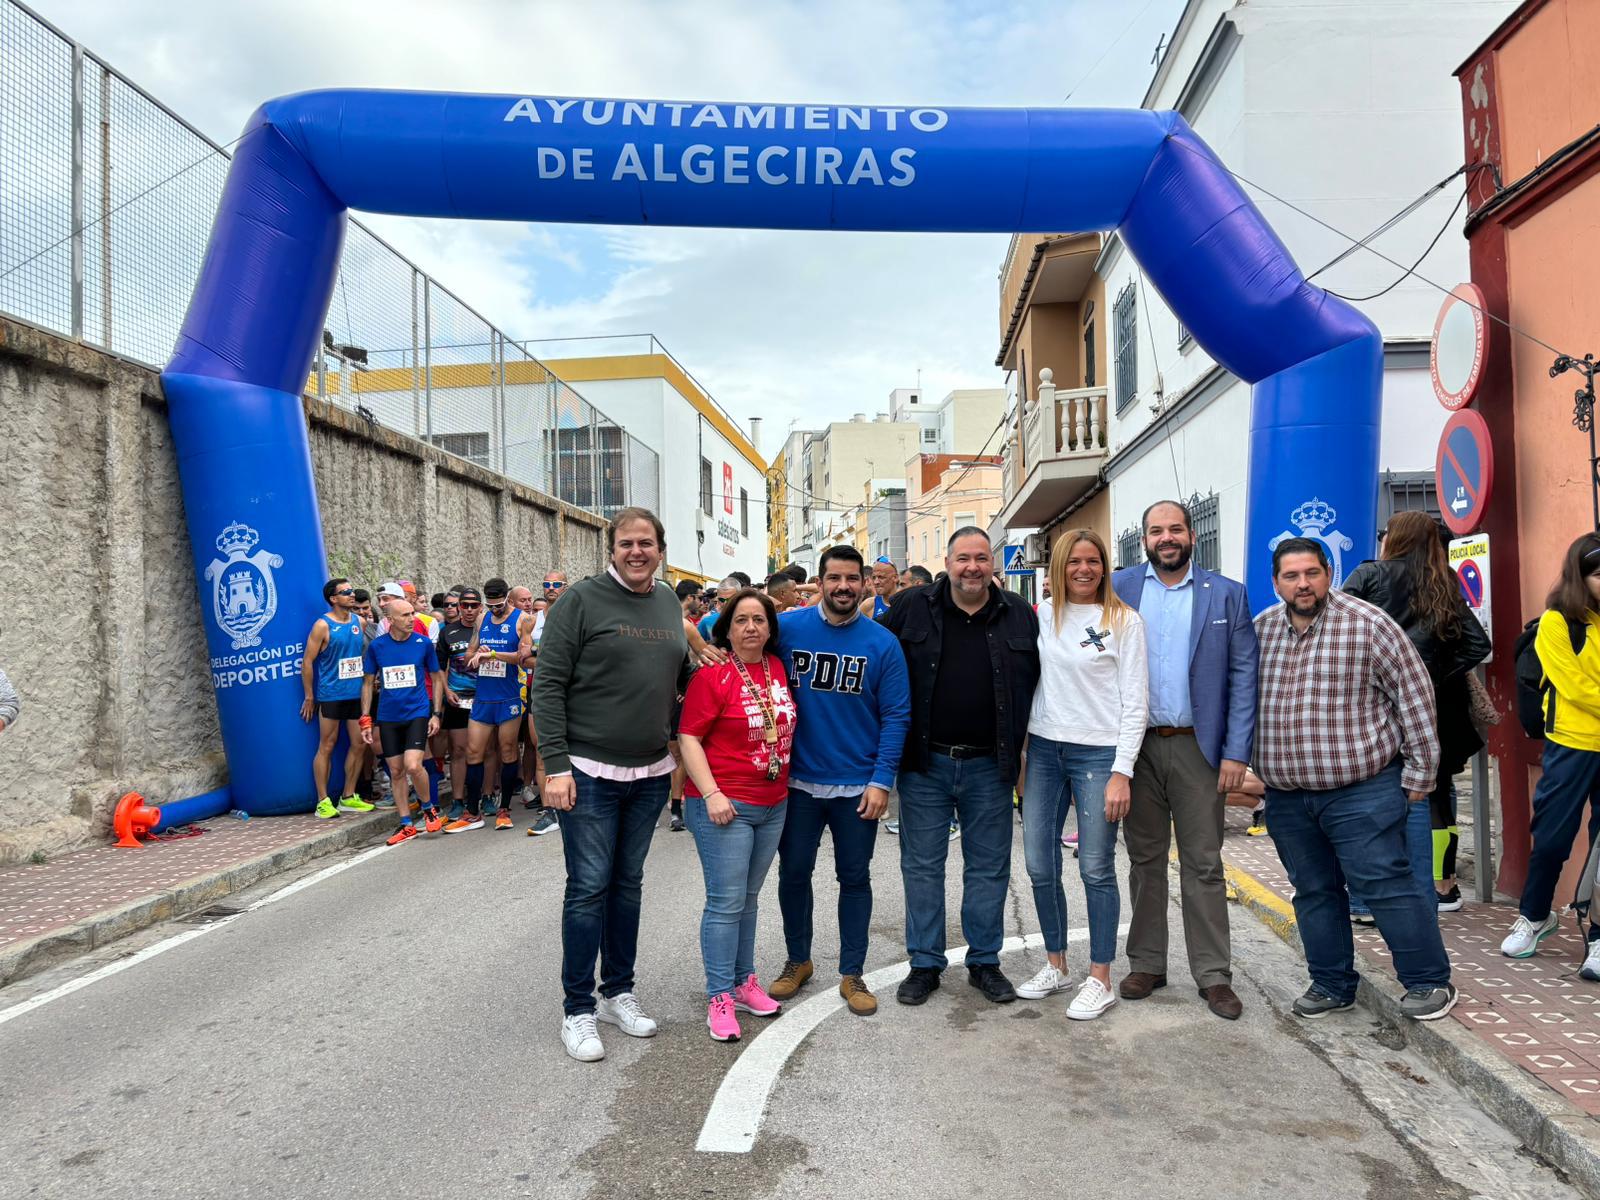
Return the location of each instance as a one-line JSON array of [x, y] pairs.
[[345, 592], [553, 587], [469, 604]]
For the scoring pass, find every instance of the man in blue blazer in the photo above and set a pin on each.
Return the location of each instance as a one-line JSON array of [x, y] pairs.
[[1202, 652]]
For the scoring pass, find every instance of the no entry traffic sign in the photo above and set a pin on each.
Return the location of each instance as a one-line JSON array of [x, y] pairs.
[[1464, 471]]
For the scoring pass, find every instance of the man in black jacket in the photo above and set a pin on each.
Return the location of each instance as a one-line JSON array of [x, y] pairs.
[[973, 653]]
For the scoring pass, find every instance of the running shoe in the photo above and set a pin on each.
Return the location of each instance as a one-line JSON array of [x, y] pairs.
[[354, 804], [1524, 938], [384, 801], [720, 1019], [1450, 901], [464, 824], [502, 819], [530, 796], [404, 834], [1070, 841], [432, 821], [544, 823], [456, 809], [1591, 962], [1428, 1003], [748, 997], [1258, 823], [325, 811], [676, 825], [892, 827]]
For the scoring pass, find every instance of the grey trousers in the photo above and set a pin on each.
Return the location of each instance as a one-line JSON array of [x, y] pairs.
[[1175, 789]]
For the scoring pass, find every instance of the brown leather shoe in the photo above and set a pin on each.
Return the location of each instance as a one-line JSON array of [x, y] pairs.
[[854, 990], [790, 980], [1222, 1000], [1140, 984]]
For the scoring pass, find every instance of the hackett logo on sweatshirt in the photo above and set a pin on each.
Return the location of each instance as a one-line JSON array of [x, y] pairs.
[[646, 633]]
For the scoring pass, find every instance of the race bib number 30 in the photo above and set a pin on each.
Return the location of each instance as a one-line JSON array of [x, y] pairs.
[[494, 668], [349, 668], [400, 677]]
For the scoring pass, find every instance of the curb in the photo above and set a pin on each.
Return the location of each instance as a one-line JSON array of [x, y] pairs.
[[1543, 1121], [93, 933]]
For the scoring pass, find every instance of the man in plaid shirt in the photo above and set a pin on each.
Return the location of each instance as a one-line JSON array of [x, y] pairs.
[[1344, 740]]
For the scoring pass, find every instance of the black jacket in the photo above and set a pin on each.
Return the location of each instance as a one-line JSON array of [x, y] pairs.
[[1384, 582], [1013, 636]]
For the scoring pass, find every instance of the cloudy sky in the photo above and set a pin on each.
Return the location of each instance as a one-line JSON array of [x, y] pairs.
[[806, 326]]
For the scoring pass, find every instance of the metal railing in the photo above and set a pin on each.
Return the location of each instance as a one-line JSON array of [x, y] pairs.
[[106, 202]]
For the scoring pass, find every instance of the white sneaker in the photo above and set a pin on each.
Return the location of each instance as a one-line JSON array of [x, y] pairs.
[[1050, 980], [581, 1037], [624, 1012], [1092, 1000], [1591, 964], [1524, 938]]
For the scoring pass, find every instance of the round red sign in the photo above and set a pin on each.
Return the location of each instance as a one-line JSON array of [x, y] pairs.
[[1460, 342]]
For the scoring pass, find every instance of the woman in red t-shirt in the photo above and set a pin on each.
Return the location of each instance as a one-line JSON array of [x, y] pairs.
[[735, 735]]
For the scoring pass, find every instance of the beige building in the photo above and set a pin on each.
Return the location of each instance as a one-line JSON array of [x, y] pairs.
[[966, 421], [1053, 336], [846, 454], [944, 493]]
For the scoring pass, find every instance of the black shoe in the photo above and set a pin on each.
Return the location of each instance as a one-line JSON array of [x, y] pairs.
[[1317, 1003], [676, 825], [987, 978], [916, 987], [1450, 901]]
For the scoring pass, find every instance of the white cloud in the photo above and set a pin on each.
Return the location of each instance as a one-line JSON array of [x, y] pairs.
[[786, 325]]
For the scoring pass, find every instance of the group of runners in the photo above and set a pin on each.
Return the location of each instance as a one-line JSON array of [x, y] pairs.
[[425, 693]]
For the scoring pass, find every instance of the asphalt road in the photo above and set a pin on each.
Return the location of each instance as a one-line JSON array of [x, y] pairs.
[[391, 1031]]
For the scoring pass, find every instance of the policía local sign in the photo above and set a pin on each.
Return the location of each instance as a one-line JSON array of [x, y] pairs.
[[1469, 559], [1464, 471]]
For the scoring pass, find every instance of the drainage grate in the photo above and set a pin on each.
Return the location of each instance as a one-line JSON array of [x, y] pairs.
[[207, 916]]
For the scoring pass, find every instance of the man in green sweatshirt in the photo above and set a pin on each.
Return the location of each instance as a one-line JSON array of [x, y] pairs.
[[610, 667]]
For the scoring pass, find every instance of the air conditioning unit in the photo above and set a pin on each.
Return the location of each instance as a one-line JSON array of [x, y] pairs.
[[1035, 550]]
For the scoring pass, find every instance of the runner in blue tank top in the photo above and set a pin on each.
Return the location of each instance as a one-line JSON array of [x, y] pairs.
[[885, 583], [331, 675], [502, 642]]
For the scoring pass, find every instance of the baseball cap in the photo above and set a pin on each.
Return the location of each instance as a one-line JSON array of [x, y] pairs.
[[393, 590], [409, 587]]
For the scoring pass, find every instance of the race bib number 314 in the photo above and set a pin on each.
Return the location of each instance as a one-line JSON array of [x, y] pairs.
[[493, 668], [400, 677]]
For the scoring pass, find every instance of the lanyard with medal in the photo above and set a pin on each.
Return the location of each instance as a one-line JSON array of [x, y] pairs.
[[769, 718]]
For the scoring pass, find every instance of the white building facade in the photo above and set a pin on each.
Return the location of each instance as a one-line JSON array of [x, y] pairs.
[[1349, 111]]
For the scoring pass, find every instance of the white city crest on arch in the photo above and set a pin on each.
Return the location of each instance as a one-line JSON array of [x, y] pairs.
[[244, 595], [1310, 520]]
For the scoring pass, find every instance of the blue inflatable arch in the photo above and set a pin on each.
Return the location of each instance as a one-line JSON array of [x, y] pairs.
[[247, 343]]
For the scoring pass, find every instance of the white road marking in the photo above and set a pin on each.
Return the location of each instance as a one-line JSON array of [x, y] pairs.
[[740, 1104], [179, 939]]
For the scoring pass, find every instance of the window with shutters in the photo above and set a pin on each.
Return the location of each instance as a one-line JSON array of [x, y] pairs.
[[1125, 349]]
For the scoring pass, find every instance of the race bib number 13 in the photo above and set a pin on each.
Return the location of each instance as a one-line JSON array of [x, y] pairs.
[[400, 677]]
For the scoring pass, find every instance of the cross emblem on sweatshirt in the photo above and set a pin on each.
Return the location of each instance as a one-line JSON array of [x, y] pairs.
[[1097, 640]]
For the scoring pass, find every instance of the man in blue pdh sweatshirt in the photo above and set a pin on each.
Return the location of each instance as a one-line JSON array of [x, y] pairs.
[[849, 681]]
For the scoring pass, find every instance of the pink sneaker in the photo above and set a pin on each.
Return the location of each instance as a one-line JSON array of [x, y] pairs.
[[748, 997], [720, 1020]]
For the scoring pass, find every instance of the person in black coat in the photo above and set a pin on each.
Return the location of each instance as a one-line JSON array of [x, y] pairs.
[[1414, 584]]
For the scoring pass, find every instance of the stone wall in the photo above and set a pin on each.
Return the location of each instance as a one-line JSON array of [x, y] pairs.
[[100, 627]]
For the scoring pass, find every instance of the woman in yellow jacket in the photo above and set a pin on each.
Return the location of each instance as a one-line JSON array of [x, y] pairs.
[[1571, 779]]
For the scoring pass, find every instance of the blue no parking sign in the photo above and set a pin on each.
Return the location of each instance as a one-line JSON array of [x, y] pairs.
[[1464, 471]]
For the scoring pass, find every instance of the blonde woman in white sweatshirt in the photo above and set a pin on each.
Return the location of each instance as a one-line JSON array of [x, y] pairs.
[[1088, 722]]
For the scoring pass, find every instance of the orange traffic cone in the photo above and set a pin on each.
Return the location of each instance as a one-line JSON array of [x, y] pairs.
[[133, 817]]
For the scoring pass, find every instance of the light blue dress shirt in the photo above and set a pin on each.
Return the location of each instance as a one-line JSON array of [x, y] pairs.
[[1168, 614]]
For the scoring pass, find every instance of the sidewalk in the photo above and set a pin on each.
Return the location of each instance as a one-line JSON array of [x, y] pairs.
[[1525, 1035], [88, 898]]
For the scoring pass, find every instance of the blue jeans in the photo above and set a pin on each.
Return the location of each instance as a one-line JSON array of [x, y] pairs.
[[1571, 782], [605, 837], [734, 859], [974, 790], [1059, 775], [1359, 830], [853, 840], [1419, 850]]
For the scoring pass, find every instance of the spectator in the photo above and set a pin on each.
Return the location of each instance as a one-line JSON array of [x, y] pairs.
[[1344, 741]]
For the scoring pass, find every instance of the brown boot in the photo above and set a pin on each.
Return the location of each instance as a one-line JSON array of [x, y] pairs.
[[1140, 984], [792, 978], [854, 990]]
